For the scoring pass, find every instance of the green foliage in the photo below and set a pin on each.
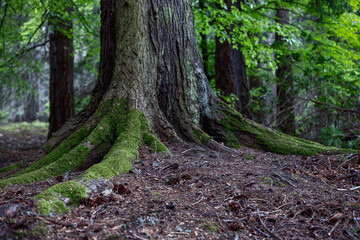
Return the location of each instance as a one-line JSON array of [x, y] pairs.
[[332, 136], [322, 42], [229, 100], [24, 34]]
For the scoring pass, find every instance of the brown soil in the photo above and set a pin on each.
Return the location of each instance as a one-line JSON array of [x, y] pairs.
[[198, 193]]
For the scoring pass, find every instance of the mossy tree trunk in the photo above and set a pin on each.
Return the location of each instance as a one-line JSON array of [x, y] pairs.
[[151, 78]]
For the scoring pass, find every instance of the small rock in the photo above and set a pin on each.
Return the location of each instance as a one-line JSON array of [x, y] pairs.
[[8, 210]]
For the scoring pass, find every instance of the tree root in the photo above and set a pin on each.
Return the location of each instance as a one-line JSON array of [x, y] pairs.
[[124, 131]]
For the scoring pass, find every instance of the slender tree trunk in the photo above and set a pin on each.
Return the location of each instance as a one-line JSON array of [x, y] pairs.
[[230, 68], [204, 43], [285, 120], [61, 69]]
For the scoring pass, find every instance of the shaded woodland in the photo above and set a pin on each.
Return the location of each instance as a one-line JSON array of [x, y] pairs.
[[240, 114]]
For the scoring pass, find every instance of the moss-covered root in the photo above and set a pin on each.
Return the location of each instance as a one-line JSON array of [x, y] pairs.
[[238, 130], [131, 131], [10, 168]]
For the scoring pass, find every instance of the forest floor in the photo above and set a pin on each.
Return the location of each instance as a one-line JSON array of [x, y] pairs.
[[197, 193]]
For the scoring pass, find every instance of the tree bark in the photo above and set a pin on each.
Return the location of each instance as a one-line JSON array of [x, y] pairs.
[[204, 43], [230, 68], [285, 119], [62, 105]]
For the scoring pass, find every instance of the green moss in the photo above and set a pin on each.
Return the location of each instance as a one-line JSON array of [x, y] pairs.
[[10, 168], [65, 147], [255, 135], [201, 136], [62, 159], [212, 227], [39, 231], [153, 142], [49, 200], [47, 148], [232, 141], [125, 131], [123, 152], [150, 137], [250, 157]]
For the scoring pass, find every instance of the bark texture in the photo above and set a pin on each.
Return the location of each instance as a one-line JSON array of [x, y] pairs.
[[230, 69], [285, 119], [61, 70], [204, 45]]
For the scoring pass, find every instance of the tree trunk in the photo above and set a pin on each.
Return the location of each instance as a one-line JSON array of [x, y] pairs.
[[230, 69], [151, 78], [61, 53], [204, 43], [285, 119]]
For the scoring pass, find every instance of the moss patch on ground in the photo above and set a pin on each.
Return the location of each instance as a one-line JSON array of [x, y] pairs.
[[253, 134]]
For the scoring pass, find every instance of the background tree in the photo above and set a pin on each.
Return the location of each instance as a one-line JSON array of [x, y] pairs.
[[285, 117], [61, 55], [230, 69]]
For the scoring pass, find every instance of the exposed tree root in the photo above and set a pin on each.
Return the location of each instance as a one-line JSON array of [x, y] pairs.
[[235, 131], [106, 145], [115, 140]]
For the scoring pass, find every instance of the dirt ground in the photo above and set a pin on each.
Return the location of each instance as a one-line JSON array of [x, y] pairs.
[[198, 193]]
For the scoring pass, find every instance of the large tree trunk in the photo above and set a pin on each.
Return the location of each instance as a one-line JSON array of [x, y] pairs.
[[285, 118], [230, 70], [61, 53], [151, 78]]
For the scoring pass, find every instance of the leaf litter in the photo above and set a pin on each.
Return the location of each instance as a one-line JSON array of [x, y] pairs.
[[199, 193]]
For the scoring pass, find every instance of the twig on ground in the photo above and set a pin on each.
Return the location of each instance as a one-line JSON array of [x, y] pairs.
[[202, 198], [261, 232], [139, 237], [312, 217], [336, 224], [222, 225], [351, 234], [47, 180], [273, 235]]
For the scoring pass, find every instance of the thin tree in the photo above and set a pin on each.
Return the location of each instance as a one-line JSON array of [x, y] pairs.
[[285, 118], [230, 70], [61, 52]]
